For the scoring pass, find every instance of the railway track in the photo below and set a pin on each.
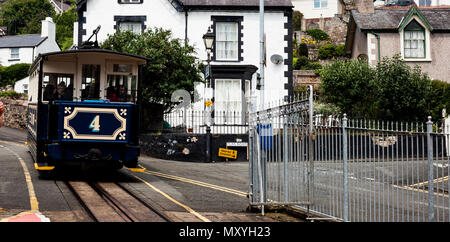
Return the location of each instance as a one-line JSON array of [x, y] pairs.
[[111, 202]]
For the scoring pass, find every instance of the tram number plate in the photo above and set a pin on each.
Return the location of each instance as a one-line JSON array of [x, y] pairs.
[[226, 153]]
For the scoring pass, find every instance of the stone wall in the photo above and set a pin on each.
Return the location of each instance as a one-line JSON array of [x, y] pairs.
[[305, 78], [15, 115], [190, 147]]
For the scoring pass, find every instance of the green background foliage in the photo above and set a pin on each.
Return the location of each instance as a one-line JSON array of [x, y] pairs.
[[9, 75], [172, 66], [392, 90], [297, 20], [317, 34]]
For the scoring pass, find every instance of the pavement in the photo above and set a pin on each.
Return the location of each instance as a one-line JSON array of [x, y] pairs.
[[184, 191]]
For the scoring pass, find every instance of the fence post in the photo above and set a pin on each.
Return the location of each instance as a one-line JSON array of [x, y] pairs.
[[430, 170], [345, 169], [311, 147]]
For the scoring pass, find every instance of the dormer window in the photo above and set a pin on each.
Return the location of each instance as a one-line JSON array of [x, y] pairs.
[[414, 40]]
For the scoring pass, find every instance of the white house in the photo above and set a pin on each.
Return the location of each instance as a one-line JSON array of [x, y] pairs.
[[16, 49], [235, 56], [24, 48]]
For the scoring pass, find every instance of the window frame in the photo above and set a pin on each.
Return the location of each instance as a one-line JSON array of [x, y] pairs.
[[11, 54], [320, 4], [130, 19], [427, 42], [240, 35]]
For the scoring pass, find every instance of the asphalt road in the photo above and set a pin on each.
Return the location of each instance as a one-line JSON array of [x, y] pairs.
[[215, 191]]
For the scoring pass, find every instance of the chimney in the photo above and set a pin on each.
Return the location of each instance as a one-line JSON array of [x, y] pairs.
[[48, 28], [365, 6]]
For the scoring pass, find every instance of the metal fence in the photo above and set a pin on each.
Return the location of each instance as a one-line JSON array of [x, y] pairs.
[[350, 170], [194, 121]]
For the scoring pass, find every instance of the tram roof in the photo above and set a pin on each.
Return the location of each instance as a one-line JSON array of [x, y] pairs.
[[140, 59]]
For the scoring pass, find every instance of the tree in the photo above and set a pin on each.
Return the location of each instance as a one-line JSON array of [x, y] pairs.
[[173, 65], [403, 93], [64, 28], [25, 16], [297, 20], [350, 86]]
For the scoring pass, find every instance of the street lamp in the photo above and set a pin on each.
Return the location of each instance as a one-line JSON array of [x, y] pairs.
[[208, 39]]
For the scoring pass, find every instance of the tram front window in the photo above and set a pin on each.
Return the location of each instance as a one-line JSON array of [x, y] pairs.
[[57, 86], [90, 82], [121, 88]]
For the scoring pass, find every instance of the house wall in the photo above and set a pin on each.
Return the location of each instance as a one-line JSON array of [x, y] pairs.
[[160, 13], [25, 56], [359, 44], [438, 68], [306, 7]]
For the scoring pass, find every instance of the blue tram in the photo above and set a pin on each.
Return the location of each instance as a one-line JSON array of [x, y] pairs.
[[84, 109]]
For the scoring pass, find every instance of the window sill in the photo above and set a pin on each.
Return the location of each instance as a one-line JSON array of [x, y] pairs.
[[417, 60], [14, 60]]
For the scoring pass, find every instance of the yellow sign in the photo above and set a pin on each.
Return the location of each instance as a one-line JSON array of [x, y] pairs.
[[208, 103], [227, 153]]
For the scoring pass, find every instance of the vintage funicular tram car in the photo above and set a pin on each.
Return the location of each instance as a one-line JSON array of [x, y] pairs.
[[84, 109]]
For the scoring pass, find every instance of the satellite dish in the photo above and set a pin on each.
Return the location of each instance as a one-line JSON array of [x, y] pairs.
[[276, 59]]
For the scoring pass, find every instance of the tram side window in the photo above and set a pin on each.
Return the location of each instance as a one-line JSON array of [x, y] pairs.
[[57, 86], [90, 82], [121, 87]]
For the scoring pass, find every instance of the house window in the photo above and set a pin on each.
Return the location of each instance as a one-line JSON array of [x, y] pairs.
[[14, 53], [424, 3], [90, 82], [133, 27], [227, 45], [414, 40], [228, 95], [131, 23], [320, 3]]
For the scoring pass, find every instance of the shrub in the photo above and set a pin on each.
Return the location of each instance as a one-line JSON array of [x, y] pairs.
[[301, 61], [317, 34], [331, 51], [350, 86], [440, 91], [297, 20], [403, 93], [9, 75], [303, 50], [10, 94]]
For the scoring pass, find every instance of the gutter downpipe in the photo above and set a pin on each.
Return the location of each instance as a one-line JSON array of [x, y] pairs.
[[378, 42]]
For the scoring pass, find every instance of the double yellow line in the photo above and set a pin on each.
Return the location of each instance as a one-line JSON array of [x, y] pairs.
[[186, 180], [198, 183], [411, 187]]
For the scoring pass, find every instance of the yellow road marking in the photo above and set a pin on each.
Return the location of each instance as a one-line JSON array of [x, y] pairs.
[[199, 183], [33, 199], [441, 179], [418, 190], [190, 210]]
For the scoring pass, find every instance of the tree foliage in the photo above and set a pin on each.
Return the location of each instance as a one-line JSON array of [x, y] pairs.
[[172, 66], [297, 20], [392, 90], [25, 16], [64, 28], [9, 75]]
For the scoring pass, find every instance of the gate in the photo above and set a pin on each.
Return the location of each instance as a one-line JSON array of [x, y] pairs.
[[281, 153]]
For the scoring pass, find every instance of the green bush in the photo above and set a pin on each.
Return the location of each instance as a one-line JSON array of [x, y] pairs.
[[303, 50], [331, 51], [390, 91], [317, 34], [297, 20], [350, 86], [10, 94], [303, 63]]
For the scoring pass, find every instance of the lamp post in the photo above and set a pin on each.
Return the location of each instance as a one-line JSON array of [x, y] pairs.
[[208, 39]]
